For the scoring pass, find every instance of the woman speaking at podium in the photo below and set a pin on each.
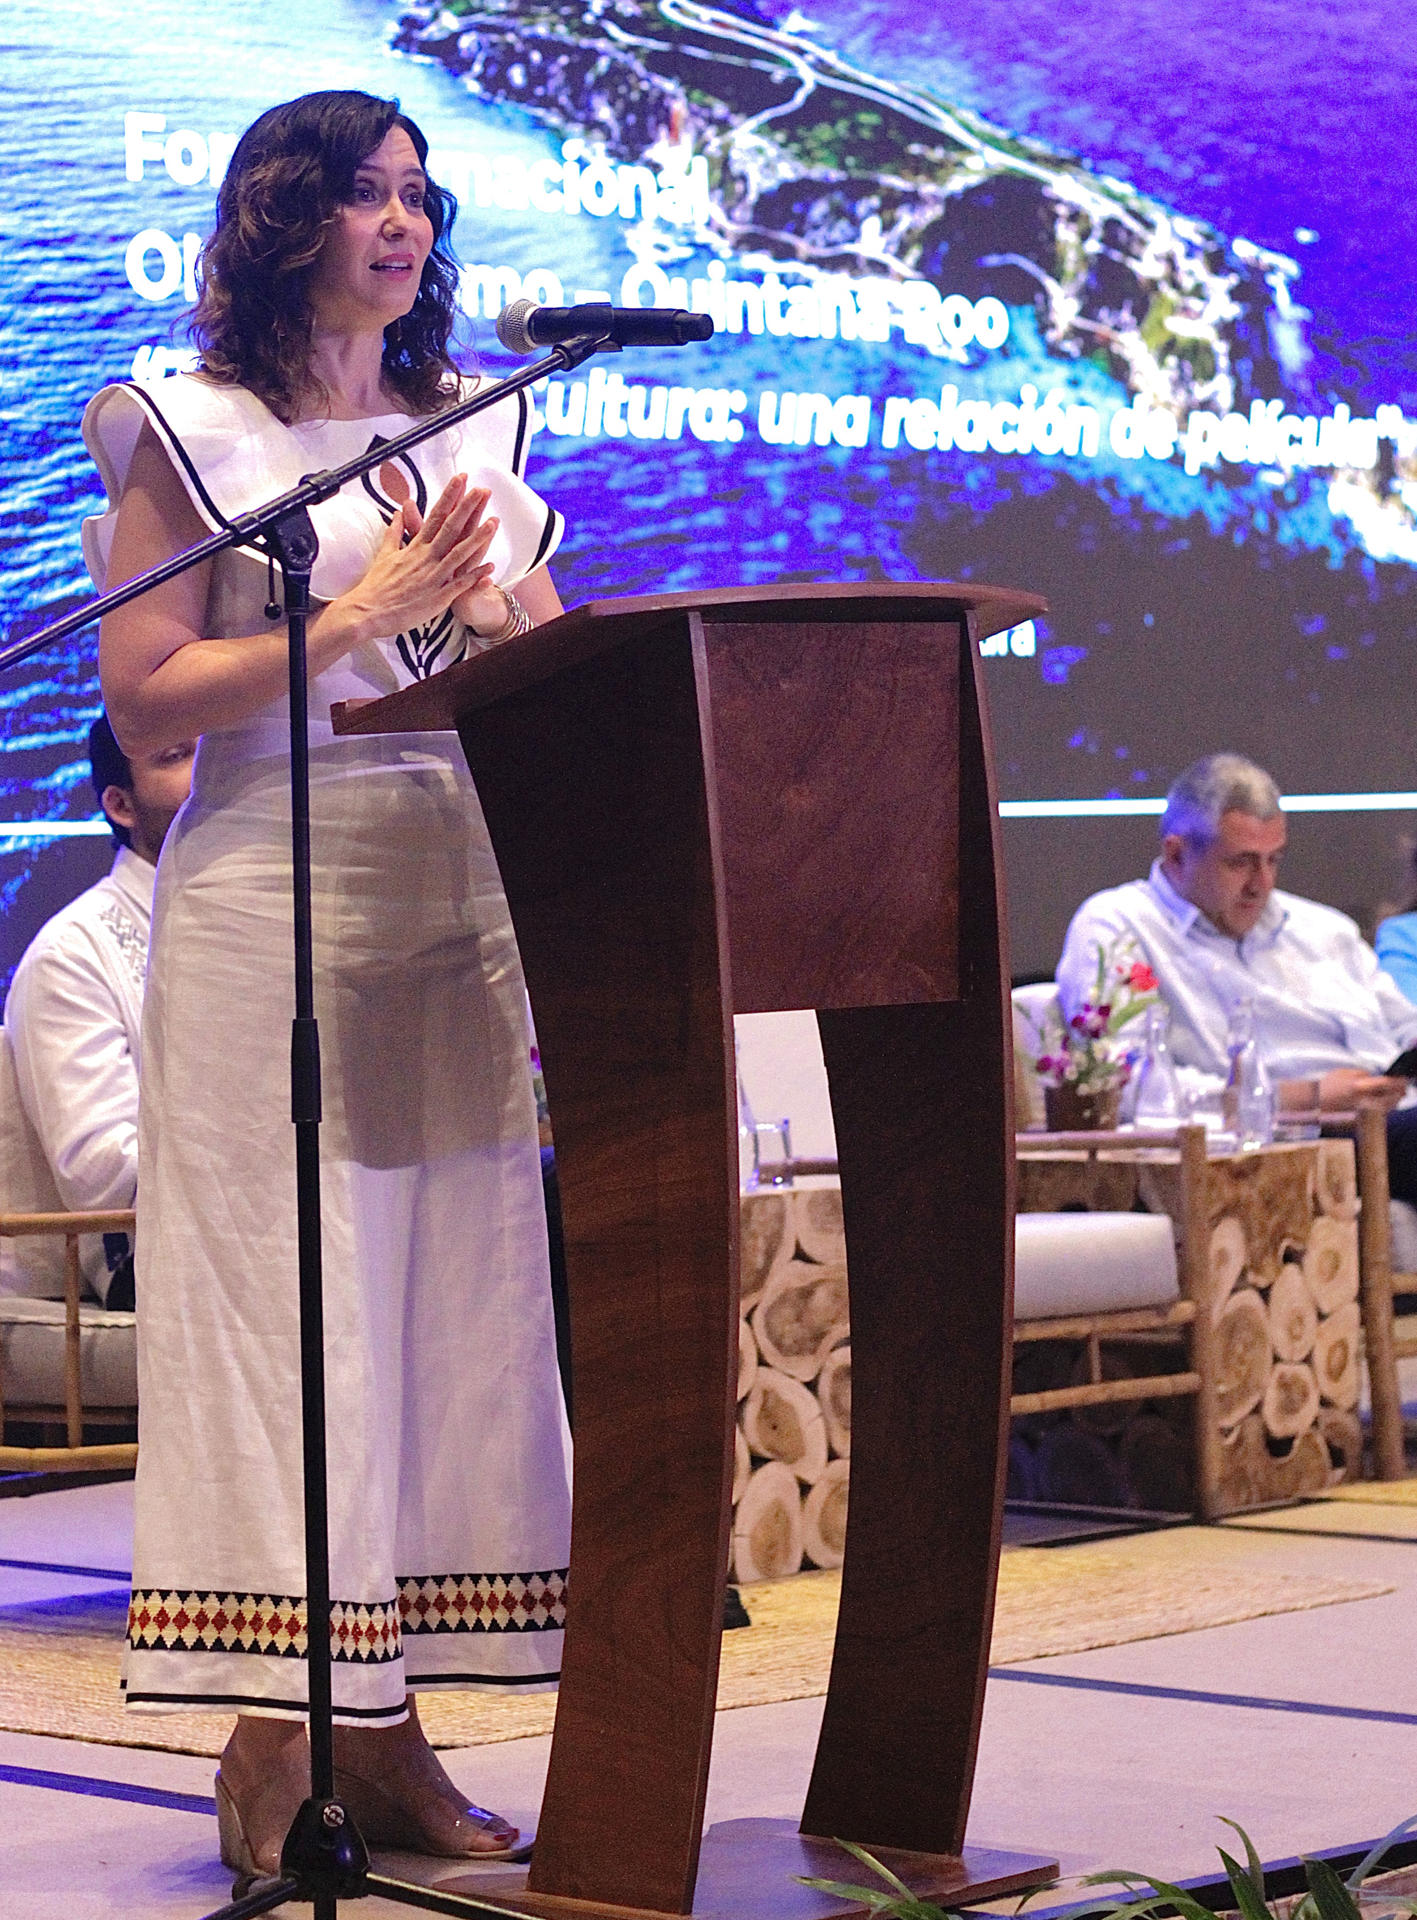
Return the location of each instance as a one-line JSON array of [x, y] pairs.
[[324, 319]]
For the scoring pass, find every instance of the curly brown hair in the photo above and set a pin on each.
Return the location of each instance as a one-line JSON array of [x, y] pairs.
[[289, 175]]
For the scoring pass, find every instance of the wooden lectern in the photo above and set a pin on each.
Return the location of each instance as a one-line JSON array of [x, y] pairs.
[[729, 803]]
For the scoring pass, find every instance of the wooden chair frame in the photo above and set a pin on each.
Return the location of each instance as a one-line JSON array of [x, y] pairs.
[[1196, 1379], [74, 1456], [1382, 1341]]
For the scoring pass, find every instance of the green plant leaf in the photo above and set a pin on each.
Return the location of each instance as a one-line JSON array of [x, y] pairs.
[[1249, 1897], [897, 1904], [878, 1867], [888, 1904], [1331, 1897], [1375, 1853], [1119, 1016], [1252, 1859], [1328, 1897], [1100, 1907], [1163, 1891], [1117, 1909]]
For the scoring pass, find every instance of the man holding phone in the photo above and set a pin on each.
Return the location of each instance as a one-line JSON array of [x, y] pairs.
[[1213, 926]]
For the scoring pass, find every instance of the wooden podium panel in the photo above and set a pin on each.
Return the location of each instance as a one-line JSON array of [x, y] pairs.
[[920, 1094], [709, 804], [835, 755]]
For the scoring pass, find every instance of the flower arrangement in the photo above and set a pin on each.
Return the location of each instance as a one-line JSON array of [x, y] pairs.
[[1084, 1053]]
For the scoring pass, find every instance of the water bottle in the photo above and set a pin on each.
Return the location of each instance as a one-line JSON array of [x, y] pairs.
[[1249, 1103], [747, 1143], [1158, 1102]]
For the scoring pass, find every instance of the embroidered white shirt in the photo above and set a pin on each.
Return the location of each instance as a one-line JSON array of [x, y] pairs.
[[1321, 999], [73, 1017]]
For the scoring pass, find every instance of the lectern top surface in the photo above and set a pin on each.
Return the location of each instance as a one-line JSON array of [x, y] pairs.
[[995, 607], [434, 704]]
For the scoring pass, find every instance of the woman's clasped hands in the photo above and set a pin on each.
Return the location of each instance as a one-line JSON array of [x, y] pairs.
[[427, 563]]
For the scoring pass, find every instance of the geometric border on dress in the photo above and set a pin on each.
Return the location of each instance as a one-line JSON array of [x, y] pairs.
[[484, 1603], [262, 1623], [364, 1632]]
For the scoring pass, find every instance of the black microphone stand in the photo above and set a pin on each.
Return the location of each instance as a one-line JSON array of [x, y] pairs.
[[324, 1858]]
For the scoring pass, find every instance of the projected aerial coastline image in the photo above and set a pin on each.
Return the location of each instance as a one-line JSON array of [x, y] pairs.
[[1236, 496], [1045, 355]]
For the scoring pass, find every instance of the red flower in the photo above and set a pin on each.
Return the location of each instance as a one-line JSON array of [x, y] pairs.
[[1141, 979]]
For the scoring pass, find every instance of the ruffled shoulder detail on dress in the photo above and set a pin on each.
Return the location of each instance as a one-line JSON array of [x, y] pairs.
[[233, 455]]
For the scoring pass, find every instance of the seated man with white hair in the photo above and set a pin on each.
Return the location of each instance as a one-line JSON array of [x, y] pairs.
[[1215, 929]]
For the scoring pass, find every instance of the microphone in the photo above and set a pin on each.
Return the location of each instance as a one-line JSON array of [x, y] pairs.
[[525, 325]]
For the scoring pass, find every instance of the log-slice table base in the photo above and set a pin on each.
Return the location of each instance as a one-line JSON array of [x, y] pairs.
[[746, 1872]]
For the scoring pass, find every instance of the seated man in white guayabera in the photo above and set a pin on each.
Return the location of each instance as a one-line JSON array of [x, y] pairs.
[[1215, 929], [75, 1007]]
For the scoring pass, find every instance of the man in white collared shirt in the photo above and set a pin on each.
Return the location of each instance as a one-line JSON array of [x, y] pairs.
[[74, 1011], [1214, 928]]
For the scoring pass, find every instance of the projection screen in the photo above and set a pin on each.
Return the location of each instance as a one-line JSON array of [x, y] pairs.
[[1111, 301]]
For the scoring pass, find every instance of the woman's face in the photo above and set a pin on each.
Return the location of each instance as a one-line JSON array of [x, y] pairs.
[[370, 266]]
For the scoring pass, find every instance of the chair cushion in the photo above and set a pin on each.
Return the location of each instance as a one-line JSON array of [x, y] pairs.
[[32, 1354], [1070, 1263], [1404, 1236]]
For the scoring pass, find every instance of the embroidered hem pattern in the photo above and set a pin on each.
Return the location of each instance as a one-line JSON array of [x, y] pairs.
[[366, 1632]]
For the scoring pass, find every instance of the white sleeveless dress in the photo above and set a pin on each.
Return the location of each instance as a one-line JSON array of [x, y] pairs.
[[448, 1484]]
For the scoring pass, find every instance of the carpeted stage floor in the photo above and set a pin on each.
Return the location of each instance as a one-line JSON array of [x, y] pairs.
[[59, 1660]]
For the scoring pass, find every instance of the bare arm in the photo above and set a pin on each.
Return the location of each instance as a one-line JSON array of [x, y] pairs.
[[485, 610], [539, 596], [164, 681]]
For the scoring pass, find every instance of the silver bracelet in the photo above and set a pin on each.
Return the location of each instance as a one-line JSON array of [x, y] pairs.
[[517, 622]]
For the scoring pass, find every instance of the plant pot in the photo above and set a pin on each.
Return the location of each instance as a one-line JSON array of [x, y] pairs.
[[1071, 1109]]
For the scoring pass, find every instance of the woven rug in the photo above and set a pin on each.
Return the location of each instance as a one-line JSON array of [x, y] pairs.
[[59, 1660], [1377, 1493]]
